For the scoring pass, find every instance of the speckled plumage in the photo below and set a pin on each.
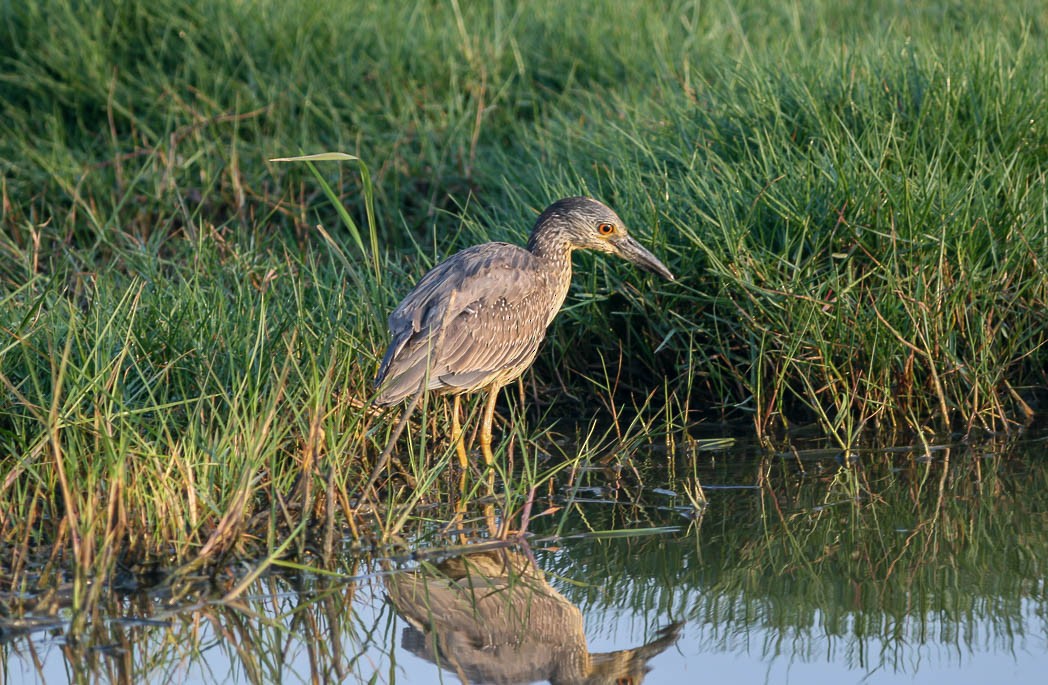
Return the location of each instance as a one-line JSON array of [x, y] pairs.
[[479, 316]]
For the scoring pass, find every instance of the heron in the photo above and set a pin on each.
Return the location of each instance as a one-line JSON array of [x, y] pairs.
[[476, 320]]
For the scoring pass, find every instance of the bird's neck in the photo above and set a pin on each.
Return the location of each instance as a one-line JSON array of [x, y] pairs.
[[553, 255], [550, 247]]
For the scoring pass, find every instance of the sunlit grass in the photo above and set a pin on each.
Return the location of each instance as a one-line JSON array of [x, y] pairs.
[[855, 203]]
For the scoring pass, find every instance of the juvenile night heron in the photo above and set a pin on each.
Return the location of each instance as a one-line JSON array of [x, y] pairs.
[[476, 320]]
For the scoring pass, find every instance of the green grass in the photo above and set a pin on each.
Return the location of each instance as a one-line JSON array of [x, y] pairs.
[[854, 200]]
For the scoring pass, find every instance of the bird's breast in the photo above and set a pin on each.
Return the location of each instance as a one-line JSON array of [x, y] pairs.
[[558, 288]]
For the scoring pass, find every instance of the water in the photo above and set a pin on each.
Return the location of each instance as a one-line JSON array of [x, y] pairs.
[[807, 567]]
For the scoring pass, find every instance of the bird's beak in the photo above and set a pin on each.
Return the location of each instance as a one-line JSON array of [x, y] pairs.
[[633, 251]]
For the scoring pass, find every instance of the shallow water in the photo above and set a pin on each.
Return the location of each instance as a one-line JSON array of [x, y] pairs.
[[883, 566]]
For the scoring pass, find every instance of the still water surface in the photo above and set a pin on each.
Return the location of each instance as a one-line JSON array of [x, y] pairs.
[[887, 566]]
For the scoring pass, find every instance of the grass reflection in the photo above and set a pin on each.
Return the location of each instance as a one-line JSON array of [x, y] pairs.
[[881, 560], [894, 552]]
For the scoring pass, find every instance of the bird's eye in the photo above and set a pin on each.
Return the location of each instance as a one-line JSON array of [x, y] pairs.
[[606, 229]]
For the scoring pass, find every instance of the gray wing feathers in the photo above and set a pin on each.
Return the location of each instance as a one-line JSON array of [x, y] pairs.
[[495, 323]]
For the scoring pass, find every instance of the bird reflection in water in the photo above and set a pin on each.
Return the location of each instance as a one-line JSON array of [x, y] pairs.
[[491, 617]]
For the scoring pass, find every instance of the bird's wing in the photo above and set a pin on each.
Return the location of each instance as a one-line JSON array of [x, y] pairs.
[[495, 328], [472, 317]]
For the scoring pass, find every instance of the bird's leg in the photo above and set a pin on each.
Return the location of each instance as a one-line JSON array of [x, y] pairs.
[[485, 425], [456, 433]]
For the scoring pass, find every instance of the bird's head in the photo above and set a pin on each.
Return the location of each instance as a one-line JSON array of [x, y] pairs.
[[585, 224]]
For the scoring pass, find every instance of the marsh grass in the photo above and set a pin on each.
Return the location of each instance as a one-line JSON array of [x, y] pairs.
[[854, 202], [793, 555]]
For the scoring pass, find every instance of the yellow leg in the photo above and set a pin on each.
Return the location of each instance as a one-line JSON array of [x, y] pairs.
[[489, 518], [456, 433], [485, 425]]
